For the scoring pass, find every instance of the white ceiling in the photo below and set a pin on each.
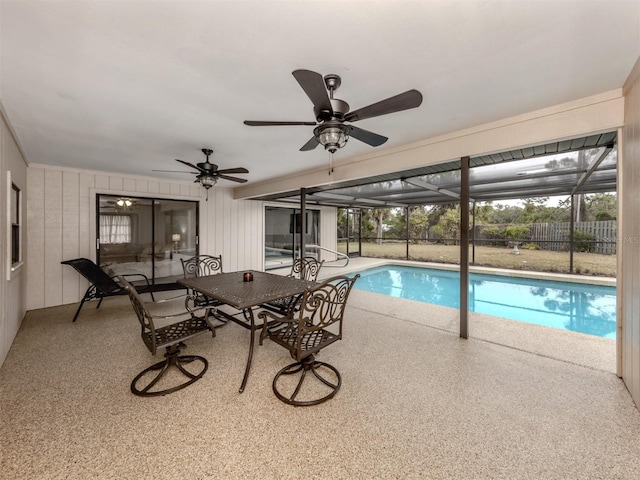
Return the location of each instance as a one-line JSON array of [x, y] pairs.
[[129, 86]]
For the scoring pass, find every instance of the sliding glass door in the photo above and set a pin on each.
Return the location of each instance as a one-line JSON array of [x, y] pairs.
[[282, 235], [145, 235]]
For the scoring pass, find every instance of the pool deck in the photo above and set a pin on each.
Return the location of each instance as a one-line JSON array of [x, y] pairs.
[[572, 347]]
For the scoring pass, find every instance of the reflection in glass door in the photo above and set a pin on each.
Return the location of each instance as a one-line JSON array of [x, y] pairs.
[[282, 235], [354, 224], [145, 235]]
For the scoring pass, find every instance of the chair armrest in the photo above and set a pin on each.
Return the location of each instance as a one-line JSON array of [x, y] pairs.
[[131, 275], [264, 315], [202, 312]]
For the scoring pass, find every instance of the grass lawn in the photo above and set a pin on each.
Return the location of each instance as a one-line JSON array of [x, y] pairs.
[[497, 257]]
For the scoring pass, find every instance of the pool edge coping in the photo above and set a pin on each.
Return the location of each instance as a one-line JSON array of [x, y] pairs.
[[558, 277]]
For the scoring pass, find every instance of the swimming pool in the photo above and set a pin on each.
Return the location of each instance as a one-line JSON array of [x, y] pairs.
[[583, 308]]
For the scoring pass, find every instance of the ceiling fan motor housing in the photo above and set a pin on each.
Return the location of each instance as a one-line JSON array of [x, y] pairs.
[[340, 109]]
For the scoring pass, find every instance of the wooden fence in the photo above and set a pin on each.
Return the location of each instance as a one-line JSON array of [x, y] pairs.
[[555, 236]]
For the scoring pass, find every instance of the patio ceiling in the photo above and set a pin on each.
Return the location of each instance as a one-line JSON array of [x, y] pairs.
[[577, 166]]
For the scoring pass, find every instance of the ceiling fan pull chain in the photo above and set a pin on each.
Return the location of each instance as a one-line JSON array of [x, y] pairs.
[[330, 163]]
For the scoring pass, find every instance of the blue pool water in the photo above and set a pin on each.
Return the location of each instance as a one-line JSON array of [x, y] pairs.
[[589, 309]]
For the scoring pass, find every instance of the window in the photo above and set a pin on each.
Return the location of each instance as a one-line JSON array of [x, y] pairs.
[[14, 205], [115, 229]]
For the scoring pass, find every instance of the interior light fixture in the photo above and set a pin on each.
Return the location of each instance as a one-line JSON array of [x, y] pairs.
[[123, 202], [175, 238]]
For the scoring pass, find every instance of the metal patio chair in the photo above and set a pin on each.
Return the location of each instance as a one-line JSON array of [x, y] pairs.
[[200, 266], [185, 325], [306, 268], [316, 325]]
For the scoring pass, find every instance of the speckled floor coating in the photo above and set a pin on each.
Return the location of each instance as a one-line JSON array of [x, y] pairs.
[[416, 402]]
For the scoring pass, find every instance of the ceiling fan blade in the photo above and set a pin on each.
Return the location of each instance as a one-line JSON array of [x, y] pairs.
[[403, 101], [366, 136], [310, 145], [233, 179], [188, 164], [258, 123], [172, 171], [233, 170], [313, 85]]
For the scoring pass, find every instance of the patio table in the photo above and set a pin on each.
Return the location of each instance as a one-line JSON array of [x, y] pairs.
[[231, 289]]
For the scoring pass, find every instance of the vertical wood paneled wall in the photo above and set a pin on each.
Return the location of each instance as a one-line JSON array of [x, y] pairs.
[[61, 226], [629, 239], [12, 284]]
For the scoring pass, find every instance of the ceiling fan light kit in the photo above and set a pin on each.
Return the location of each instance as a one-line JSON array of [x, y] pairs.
[[331, 137], [207, 181]]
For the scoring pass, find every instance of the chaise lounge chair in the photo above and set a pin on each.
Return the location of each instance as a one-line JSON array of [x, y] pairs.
[[102, 285]]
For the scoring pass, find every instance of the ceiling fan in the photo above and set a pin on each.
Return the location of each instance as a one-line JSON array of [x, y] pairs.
[[207, 173], [332, 113], [123, 203]]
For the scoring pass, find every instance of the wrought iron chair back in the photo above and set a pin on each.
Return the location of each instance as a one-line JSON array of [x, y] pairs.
[[316, 325], [319, 309], [306, 268], [201, 265]]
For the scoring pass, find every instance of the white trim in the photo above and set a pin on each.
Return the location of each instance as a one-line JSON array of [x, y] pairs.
[[14, 267], [8, 232]]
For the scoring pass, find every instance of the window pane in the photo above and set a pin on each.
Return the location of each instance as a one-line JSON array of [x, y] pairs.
[[15, 244], [15, 224], [282, 235], [115, 228]]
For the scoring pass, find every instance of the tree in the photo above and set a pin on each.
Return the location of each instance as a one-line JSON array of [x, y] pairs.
[[504, 214], [535, 210], [418, 222], [378, 215], [483, 212], [342, 223], [602, 206], [436, 211], [397, 223], [448, 225], [368, 225]]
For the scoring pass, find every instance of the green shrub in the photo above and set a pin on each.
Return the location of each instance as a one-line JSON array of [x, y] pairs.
[[582, 241], [493, 233], [516, 232]]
